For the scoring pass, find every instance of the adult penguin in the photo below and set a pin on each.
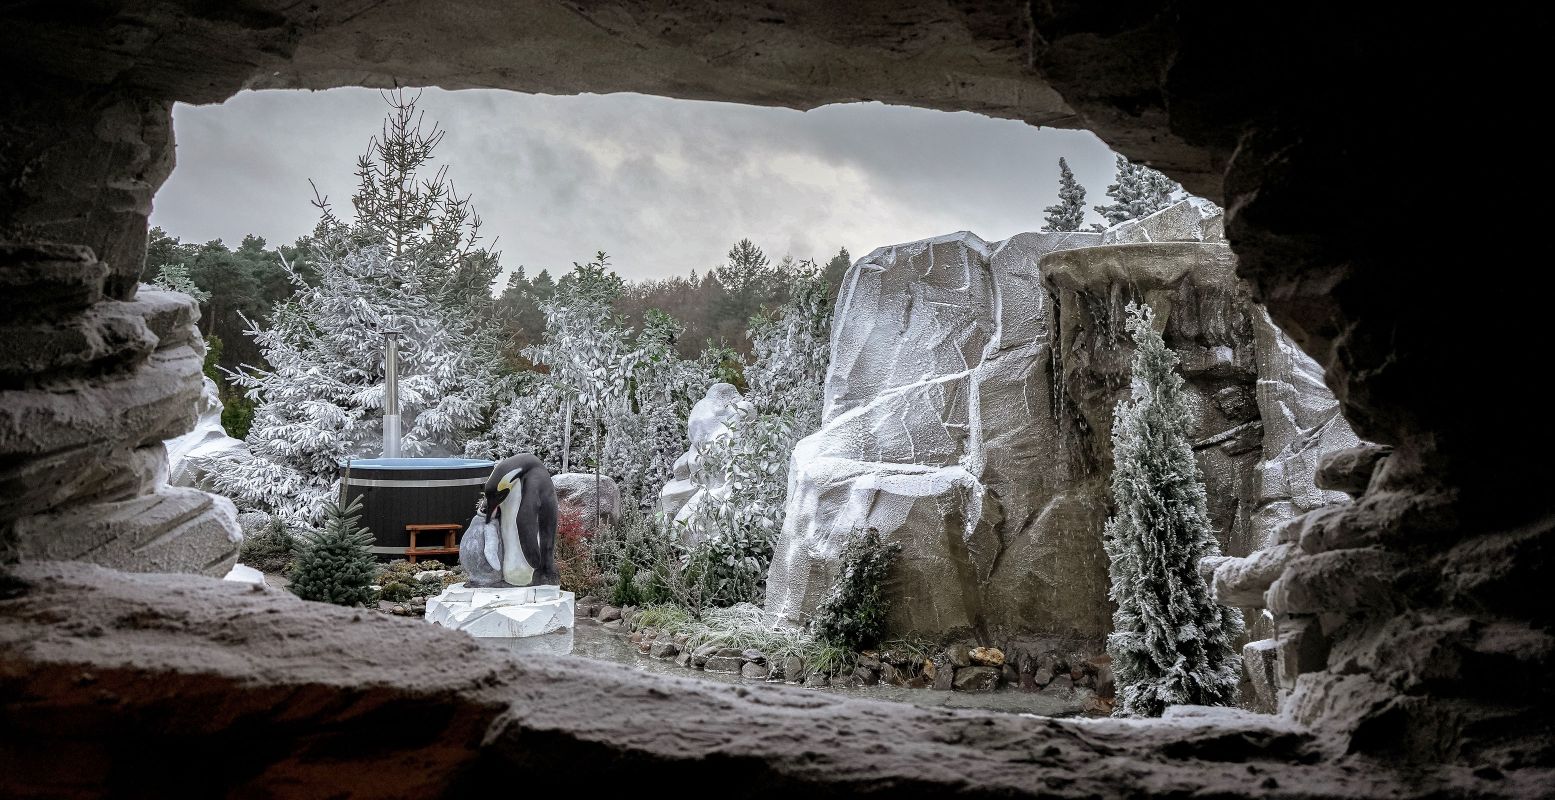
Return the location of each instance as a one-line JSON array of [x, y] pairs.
[[520, 550]]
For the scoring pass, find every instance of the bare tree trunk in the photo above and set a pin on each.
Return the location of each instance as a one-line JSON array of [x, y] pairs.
[[567, 434]]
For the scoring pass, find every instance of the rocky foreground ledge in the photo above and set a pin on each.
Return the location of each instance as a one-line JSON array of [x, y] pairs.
[[173, 685]]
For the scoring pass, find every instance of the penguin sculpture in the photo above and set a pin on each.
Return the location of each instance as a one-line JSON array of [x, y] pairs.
[[520, 548]]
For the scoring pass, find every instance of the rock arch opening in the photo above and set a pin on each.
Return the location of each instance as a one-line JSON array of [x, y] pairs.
[[1407, 596]]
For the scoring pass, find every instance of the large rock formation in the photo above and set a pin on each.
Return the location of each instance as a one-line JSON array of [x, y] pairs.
[[1275, 110], [89, 390], [969, 412], [187, 454]]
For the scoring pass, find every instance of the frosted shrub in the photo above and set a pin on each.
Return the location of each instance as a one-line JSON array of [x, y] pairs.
[[1171, 643], [853, 614]]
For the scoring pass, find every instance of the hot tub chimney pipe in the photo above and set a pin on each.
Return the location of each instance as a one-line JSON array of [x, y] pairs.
[[391, 394]]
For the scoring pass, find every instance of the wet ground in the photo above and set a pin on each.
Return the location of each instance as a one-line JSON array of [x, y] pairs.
[[592, 641]]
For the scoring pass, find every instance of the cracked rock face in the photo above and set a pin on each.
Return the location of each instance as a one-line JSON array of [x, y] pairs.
[[969, 410]]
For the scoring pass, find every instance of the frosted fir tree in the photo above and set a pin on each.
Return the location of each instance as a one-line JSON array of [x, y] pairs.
[[646, 432], [394, 265], [176, 278], [792, 350], [1171, 643], [321, 402], [1139, 191], [1069, 213], [586, 351], [335, 564]]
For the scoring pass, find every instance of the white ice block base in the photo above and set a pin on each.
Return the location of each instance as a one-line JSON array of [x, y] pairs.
[[503, 613]]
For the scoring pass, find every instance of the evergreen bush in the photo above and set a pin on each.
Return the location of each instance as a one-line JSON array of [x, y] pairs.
[[335, 563], [853, 615]]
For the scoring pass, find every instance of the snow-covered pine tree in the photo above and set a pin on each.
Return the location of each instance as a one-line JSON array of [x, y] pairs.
[[1171, 643], [335, 564], [1139, 191], [646, 433], [394, 264], [176, 278], [1069, 213], [321, 402], [587, 352]]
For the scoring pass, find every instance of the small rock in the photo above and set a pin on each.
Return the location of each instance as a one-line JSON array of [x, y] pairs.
[[987, 656], [816, 680], [683, 660], [889, 674], [724, 664], [869, 660], [1009, 674], [681, 639], [635, 638], [919, 681], [664, 650], [960, 655], [731, 652], [944, 674], [976, 679], [928, 668], [432, 574], [1350, 470], [1062, 683], [865, 676], [896, 658], [753, 655], [1042, 677], [1101, 706], [754, 671], [609, 614], [793, 669]]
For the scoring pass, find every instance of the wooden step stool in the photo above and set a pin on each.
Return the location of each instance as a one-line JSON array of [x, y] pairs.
[[450, 546]]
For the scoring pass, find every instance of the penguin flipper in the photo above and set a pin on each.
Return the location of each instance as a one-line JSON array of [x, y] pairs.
[[493, 542]]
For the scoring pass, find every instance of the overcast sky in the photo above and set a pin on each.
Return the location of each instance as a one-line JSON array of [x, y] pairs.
[[663, 186]]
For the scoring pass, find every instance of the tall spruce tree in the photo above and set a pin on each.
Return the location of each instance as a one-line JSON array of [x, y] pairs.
[[1069, 213], [1171, 643], [335, 564], [1140, 191], [397, 264]]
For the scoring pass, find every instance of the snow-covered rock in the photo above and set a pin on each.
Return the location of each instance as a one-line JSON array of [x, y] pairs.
[[969, 407], [576, 490], [938, 431], [1192, 220], [242, 573], [503, 613], [208, 439], [709, 420]]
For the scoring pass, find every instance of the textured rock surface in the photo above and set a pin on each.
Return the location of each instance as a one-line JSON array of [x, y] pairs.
[[938, 431], [208, 440], [317, 696], [576, 490], [969, 412], [1275, 110], [83, 469]]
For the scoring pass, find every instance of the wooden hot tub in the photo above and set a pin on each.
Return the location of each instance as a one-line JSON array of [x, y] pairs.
[[397, 492]]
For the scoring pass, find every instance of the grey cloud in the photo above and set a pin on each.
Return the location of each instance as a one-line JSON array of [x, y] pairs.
[[663, 185]]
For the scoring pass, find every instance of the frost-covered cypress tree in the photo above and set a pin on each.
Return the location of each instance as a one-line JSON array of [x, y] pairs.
[[1171, 643], [1069, 213], [1139, 191], [335, 564]]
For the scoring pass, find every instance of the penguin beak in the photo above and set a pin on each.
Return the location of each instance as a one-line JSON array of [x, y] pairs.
[[493, 500]]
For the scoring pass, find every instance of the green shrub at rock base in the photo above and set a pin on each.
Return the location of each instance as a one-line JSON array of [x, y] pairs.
[[853, 615], [335, 564], [269, 550]]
